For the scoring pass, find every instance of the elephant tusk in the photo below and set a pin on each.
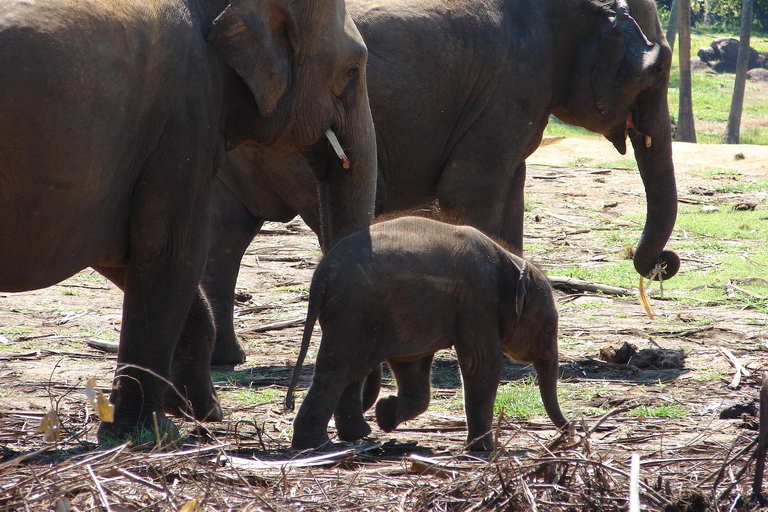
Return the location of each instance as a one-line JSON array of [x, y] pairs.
[[337, 147], [648, 141]]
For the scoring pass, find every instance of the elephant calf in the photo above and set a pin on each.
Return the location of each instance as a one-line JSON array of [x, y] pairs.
[[400, 291]]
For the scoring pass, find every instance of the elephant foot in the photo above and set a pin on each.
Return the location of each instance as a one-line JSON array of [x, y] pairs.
[[228, 351], [311, 441], [193, 399], [482, 443], [352, 428], [386, 414], [132, 429]]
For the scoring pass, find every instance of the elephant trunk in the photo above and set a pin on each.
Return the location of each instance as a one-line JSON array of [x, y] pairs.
[[652, 142], [347, 186], [547, 371]]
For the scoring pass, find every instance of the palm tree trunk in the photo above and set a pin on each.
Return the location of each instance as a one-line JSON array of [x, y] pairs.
[[686, 131], [742, 66], [674, 14]]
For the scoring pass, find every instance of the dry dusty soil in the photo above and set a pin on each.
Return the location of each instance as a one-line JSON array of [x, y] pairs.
[[690, 458]]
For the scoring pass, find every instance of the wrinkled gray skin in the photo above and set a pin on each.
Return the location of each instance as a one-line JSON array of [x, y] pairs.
[[400, 291], [115, 116], [461, 92]]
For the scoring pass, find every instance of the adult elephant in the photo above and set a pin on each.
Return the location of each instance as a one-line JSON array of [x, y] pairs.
[[461, 92], [114, 118]]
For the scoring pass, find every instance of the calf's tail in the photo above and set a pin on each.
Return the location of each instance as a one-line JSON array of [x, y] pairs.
[[313, 312]]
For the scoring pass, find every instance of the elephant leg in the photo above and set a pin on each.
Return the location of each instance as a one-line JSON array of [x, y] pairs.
[[310, 427], [371, 388], [168, 241], [350, 422], [481, 360], [511, 230], [413, 393], [232, 229], [192, 393]]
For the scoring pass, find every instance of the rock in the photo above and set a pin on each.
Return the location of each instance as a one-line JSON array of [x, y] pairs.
[[736, 410], [709, 209], [745, 206], [648, 358], [699, 65], [659, 358], [622, 355], [758, 75]]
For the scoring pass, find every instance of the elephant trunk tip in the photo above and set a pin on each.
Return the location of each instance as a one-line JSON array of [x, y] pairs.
[[663, 268]]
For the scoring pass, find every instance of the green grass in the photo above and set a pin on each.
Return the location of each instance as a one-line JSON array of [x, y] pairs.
[[230, 377], [145, 439], [730, 241], [557, 128], [520, 399], [257, 396], [69, 291], [660, 411]]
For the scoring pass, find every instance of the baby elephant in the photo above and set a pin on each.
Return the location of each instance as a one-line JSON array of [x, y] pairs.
[[400, 291]]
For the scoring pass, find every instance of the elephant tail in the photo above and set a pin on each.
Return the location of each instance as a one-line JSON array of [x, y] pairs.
[[316, 293]]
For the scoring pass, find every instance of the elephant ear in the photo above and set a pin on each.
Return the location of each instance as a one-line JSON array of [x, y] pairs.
[[520, 295], [254, 38], [625, 56]]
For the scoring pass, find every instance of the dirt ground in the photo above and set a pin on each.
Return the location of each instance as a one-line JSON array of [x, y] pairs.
[[45, 359]]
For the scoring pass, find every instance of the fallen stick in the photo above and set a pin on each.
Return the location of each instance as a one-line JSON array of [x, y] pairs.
[[572, 284], [740, 370], [109, 347], [762, 439], [274, 326]]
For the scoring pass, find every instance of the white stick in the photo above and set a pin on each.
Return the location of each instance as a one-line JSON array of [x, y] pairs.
[[337, 147], [634, 484]]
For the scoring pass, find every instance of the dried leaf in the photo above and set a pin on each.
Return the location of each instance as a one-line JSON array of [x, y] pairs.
[[50, 427], [191, 506], [101, 405]]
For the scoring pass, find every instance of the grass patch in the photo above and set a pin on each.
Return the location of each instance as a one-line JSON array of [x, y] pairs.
[[660, 411], [145, 439], [520, 399], [258, 396], [232, 378], [69, 291], [557, 128]]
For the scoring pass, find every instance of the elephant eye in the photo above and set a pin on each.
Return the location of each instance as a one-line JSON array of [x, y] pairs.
[[352, 72]]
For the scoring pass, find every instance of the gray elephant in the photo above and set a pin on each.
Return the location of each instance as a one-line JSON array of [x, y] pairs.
[[461, 92], [114, 118], [400, 291]]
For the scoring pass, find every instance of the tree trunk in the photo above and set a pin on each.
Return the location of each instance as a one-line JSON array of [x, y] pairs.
[[674, 14], [742, 66], [686, 131]]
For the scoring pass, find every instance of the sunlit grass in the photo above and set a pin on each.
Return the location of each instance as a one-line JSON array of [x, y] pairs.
[[257, 396], [660, 411]]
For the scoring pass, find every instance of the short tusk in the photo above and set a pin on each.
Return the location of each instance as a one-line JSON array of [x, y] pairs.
[[648, 141], [337, 147]]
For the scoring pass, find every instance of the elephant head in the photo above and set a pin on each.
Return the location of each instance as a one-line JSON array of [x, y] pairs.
[[617, 86], [300, 76]]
